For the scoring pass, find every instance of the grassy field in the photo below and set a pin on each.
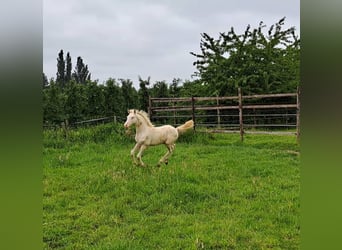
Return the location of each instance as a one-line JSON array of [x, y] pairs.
[[215, 193]]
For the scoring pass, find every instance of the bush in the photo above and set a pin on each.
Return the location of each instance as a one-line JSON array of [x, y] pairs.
[[59, 138]]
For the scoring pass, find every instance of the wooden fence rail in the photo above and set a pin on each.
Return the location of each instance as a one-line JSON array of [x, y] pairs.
[[241, 106]]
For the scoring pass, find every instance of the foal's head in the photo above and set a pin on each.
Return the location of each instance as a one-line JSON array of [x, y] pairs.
[[131, 118], [137, 117]]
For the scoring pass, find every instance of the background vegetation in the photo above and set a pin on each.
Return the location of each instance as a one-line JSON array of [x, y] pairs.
[[258, 61]]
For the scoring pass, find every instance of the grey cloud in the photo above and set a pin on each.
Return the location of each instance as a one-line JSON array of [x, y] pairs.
[[124, 39]]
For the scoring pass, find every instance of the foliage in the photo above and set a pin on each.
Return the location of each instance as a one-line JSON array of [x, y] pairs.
[[174, 89], [160, 89], [81, 73], [95, 99], [129, 94], [113, 98], [75, 102], [143, 93], [45, 81], [60, 80], [68, 68], [53, 104], [226, 195], [61, 138], [256, 62], [194, 88]]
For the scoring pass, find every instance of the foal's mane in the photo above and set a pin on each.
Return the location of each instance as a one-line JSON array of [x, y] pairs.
[[144, 115]]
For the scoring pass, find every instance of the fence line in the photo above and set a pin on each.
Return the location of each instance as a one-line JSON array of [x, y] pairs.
[[96, 121], [242, 112], [237, 117]]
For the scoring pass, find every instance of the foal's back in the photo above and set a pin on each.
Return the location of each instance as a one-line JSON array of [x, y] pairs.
[[166, 134]]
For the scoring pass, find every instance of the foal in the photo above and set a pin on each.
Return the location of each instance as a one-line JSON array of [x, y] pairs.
[[148, 135]]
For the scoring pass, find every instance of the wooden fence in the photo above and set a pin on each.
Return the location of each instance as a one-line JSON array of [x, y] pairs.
[[269, 113]]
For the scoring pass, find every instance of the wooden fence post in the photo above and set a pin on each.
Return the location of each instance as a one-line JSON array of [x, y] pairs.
[[218, 113], [149, 107], [240, 114], [174, 113], [298, 115], [65, 127], [193, 111]]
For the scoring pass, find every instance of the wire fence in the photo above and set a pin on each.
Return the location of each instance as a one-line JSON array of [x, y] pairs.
[[85, 123]]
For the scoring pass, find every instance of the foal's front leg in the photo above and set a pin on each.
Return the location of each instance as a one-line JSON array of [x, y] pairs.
[[136, 147], [142, 148]]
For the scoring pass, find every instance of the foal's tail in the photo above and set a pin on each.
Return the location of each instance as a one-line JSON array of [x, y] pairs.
[[183, 128]]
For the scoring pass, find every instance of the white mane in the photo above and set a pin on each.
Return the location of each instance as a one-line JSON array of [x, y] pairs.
[[144, 115]]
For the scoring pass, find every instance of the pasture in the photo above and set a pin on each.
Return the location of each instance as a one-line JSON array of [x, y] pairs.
[[215, 193]]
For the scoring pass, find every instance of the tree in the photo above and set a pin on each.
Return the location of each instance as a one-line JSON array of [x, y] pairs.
[[45, 81], [129, 94], [53, 104], [95, 99], [194, 88], [113, 99], [143, 93], [174, 87], [68, 68], [160, 89], [60, 79], [75, 102], [252, 60], [81, 73]]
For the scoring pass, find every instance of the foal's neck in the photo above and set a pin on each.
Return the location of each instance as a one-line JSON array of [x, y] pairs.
[[141, 126]]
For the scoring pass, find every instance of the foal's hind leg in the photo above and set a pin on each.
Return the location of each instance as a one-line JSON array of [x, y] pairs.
[[165, 158]]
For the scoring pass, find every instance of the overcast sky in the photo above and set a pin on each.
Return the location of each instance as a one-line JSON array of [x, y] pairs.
[[131, 38]]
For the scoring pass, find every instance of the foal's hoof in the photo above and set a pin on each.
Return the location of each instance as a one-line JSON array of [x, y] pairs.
[[160, 163]]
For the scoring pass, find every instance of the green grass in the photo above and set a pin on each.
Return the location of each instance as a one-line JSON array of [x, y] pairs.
[[215, 193]]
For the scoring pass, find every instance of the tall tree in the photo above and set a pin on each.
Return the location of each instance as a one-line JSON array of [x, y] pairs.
[[68, 68], [81, 73], [60, 79]]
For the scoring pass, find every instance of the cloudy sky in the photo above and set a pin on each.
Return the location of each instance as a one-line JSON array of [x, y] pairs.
[[131, 38]]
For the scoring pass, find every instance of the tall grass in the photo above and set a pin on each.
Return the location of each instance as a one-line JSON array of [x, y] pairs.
[[215, 193]]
